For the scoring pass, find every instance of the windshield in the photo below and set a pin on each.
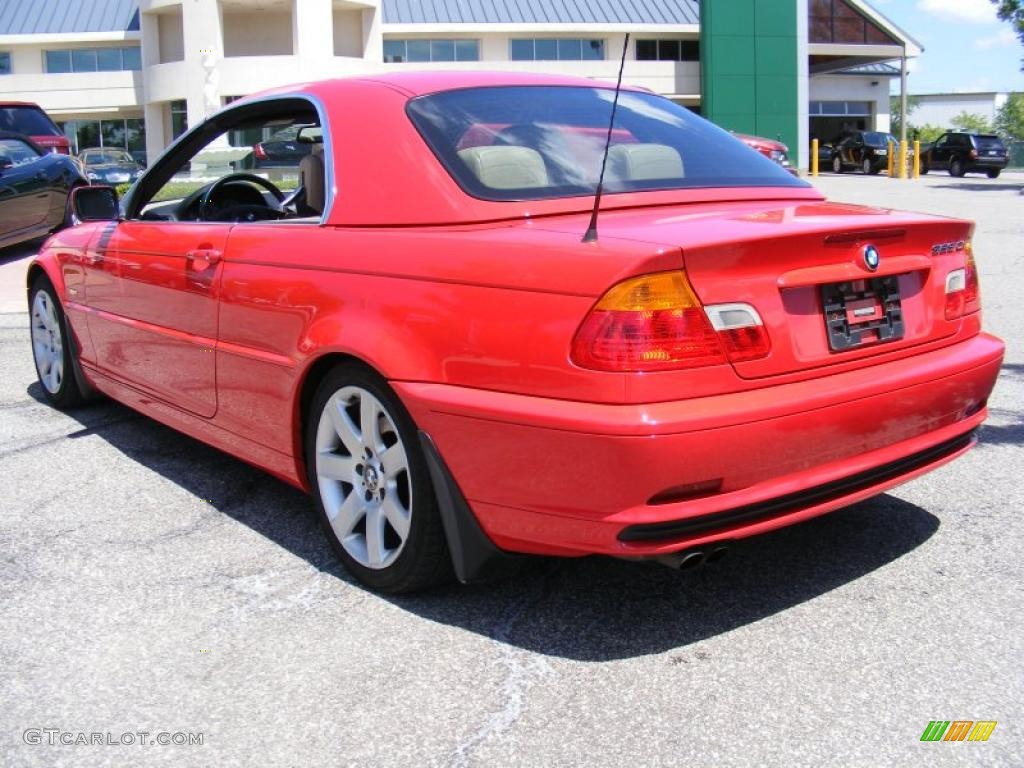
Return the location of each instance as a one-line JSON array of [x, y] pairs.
[[30, 121], [107, 156], [876, 139], [534, 142]]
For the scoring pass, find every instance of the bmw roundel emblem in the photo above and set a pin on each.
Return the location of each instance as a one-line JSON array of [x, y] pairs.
[[871, 257]]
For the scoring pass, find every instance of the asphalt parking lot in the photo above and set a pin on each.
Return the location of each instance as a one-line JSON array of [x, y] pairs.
[[151, 584]]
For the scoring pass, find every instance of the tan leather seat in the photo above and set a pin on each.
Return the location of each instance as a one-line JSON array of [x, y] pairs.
[[311, 179], [506, 167], [645, 162]]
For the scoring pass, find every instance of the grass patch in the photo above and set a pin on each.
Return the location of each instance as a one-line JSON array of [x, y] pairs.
[[178, 190]]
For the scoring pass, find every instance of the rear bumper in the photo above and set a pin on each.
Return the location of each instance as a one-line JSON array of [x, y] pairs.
[[562, 477], [986, 163]]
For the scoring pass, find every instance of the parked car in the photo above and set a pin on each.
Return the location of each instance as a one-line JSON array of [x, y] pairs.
[[462, 354], [30, 120], [867, 151], [108, 165], [281, 149], [34, 188], [963, 153], [773, 150]]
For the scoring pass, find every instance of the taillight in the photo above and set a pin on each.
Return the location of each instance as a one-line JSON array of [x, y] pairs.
[[963, 293], [656, 323], [973, 154], [259, 152], [741, 330]]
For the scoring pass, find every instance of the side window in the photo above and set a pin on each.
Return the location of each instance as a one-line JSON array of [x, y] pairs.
[[942, 142], [268, 167], [16, 152]]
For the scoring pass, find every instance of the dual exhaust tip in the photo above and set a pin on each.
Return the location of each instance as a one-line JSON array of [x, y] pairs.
[[692, 559]]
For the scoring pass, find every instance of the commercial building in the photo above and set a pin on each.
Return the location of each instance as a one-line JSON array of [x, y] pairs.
[[939, 109], [135, 73]]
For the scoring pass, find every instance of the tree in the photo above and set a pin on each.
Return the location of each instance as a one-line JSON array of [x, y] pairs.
[[926, 134], [1010, 117], [1013, 12], [972, 123], [913, 102]]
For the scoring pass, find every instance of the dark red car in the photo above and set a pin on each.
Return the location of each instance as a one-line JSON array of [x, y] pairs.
[[412, 326], [30, 120], [773, 150]]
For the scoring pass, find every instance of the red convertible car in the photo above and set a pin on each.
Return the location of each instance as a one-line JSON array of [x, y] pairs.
[[411, 325]]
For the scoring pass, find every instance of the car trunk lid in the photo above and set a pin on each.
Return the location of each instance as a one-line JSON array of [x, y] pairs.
[[805, 269]]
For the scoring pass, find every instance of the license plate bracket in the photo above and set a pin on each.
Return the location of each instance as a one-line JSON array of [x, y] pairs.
[[862, 312]]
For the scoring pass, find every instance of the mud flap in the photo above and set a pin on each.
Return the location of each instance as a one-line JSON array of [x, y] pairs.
[[475, 558]]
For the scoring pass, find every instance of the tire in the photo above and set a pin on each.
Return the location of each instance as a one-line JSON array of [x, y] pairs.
[[837, 164], [956, 168], [924, 170], [993, 173], [373, 495], [52, 348], [866, 167]]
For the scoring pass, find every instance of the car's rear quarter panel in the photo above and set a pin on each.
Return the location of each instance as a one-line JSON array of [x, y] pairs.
[[486, 307]]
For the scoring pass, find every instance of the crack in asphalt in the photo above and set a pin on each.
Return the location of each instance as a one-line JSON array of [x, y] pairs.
[[29, 445], [522, 671]]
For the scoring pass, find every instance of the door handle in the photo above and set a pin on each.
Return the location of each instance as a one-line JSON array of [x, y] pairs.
[[210, 255]]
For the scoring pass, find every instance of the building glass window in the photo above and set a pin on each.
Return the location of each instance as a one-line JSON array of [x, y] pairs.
[[58, 61], [131, 59], [94, 60], [836, 21], [556, 49], [108, 60], [5, 63], [668, 50], [397, 51], [179, 118], [840, 108], [128, 134], [83, 60]]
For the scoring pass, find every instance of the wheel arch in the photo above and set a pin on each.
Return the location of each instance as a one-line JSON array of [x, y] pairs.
[[315, 370], [39, 268]]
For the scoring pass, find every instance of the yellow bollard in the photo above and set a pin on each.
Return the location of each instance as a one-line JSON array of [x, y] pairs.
[[917, 159], [892, 158], [903, 160], [814, 157]]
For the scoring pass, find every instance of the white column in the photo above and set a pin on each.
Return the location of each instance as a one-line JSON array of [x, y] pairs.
[[203, 27], [313, 34], [156, 138], [373, 38]]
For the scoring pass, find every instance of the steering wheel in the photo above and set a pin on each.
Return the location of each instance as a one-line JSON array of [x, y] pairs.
[[208, 195]]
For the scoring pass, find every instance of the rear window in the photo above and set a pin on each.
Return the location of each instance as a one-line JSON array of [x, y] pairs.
[[989, 142], [31, 121], [537, 142]]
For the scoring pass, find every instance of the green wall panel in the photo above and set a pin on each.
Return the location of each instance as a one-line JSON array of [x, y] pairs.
[[749, 55]]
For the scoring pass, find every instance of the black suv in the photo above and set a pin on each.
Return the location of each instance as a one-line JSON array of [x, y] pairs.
[[961, 153], [866, 150]]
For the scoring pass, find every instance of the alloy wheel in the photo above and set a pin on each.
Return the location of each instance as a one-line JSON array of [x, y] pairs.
[[362, 470], [47, 342]]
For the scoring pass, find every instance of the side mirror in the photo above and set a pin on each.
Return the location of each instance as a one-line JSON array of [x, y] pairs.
[[5, 163], [95, 203]]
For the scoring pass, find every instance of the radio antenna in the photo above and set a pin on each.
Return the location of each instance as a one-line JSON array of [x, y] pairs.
[[591, 233]]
